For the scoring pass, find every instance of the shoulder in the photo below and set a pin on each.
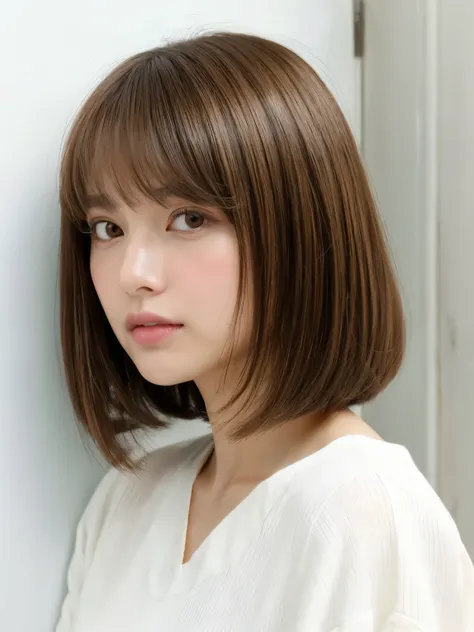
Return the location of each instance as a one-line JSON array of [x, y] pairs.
[[358, 472], [378, 526], [360, 486], [123, 492]]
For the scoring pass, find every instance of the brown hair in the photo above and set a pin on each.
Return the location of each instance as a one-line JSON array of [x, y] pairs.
[[246, 125]]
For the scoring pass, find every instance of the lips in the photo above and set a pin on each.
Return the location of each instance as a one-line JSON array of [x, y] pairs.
[[148, 319], [150, 329]]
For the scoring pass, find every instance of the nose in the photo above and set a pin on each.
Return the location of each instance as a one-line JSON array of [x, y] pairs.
[[142, 270]]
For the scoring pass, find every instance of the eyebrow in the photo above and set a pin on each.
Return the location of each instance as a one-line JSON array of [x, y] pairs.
[[101, 200]]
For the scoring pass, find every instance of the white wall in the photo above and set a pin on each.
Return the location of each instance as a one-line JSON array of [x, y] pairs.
[[456, 260], [398, 141], [53, 52]]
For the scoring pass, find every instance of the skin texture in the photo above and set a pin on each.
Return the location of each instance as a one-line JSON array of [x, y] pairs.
[[185, 268]]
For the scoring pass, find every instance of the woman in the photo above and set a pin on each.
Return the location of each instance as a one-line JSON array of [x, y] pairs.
[[222, 257]]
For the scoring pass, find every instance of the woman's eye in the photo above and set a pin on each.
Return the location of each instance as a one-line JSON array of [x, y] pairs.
[[186, 221], [105, 231]]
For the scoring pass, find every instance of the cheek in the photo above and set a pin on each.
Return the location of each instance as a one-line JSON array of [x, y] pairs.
[[212, 277], [98, 275], [103, 281]]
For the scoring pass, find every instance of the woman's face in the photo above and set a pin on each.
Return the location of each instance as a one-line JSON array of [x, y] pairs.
[[167, 278]]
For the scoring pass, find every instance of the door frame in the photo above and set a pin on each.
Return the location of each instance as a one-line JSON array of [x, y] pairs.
[[399, 144]]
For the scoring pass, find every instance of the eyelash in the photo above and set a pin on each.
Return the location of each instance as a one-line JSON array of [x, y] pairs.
[[184, 211], [90, 229], [91, 225]]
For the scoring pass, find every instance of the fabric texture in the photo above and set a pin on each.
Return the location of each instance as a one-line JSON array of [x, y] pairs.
[[349, 539]]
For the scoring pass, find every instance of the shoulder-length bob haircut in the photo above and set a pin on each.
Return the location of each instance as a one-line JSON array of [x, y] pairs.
[[246, 125]]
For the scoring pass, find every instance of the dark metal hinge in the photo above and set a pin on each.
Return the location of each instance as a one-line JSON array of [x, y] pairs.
[[359, 28]]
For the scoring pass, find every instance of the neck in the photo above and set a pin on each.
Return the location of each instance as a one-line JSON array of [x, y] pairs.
[[253, 459]]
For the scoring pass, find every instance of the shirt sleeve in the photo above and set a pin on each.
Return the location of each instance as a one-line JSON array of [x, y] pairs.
[[87, 534], [393, 559]]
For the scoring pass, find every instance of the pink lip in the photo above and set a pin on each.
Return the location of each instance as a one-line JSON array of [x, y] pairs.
[[152, 333]]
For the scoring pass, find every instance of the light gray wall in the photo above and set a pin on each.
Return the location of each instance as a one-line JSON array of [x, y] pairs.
[[398, 144], [456, 264], [418, 139], [53, 52]]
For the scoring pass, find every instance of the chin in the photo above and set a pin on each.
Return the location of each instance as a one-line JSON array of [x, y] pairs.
[[166, 374]]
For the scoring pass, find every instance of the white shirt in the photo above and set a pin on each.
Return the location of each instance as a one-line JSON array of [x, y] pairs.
[[349, 539]]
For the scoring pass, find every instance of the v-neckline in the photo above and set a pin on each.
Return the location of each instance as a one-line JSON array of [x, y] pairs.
[[201, 464], [217, 537], [221, 547], [229, 517]]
